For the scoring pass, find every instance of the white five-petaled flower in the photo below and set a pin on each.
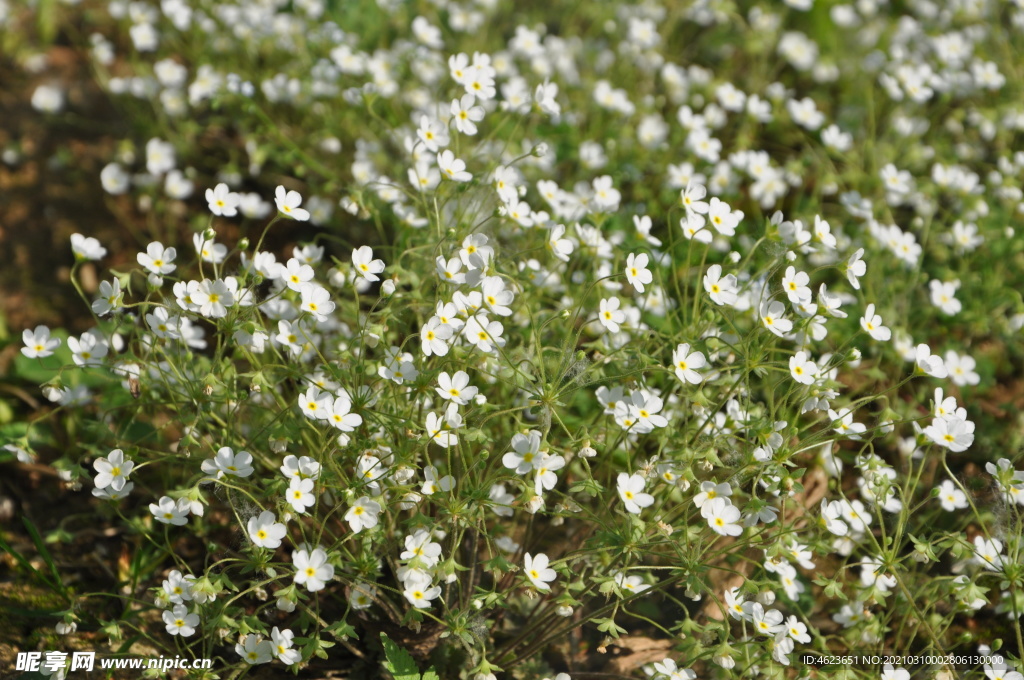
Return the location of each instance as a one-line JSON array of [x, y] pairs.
[[855, 268], [179, 621], [721, 289], [282, 641], [38, 343], [872, 323], [227, 462], [686, 364], [537, 570], [213, 298], [312, 569], [455, 388], [771, 318], [110, 297], [288, 203], [929, 363], [951, 497], [442, 428], [452, 168], [802, 368], [419, 591], [951, 432], [610, 315], [88, 350], [419, 546], [157, 259], [86, 248], [265, 531], [113, 470], [167, 511], [254, 649], [722, 516], [794, 284], [300, 494], [631, 491], [316, 300], [365, 265], [223, 202], [363, 514], [637, 272], [340, 413], [465, 115]]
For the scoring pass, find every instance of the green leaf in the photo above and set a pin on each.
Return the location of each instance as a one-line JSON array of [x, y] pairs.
[[399, 662], [610, 627], [431, 674]]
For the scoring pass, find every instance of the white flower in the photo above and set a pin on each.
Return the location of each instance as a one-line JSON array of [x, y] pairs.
[[452, 167], [113, 470], [495, 296], [441, 428], [86, 248], [631, 491], [610, 315], [455, 388], [855, 268], [282, 641], [537, 570], [559, 246], [419, 592], [721, 290], [157, 259], [227, 462], [722, 516], [179, 622], [686, 364], [794, 283], [363, 514], [636, 271], [943, 294], [961, 369], [223, 201], [38, 343], [316, 300], [771, 317], [723, 218], [167, 511], [765, 622], [483, 333], [365, 265], [952, 432], [931, 364], [340, 413], [254, 650], [265, 531], [288, 203], [312, 569], [465, 115], [300, 494], [434, 336], [872, 323], [213, 298], [802, 368]]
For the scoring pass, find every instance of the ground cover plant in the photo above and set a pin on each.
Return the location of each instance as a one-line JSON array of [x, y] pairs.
[[497, 340]]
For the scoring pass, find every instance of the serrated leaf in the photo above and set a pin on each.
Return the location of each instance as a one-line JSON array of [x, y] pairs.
[[399, 662]]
